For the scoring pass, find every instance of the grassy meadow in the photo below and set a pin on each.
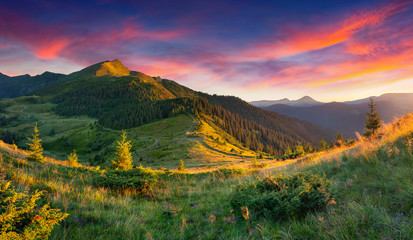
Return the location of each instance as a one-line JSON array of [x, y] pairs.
[[371, 183], [160, 144]]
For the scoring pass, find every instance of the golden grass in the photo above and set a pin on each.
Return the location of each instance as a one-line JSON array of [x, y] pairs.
[[193, 199]]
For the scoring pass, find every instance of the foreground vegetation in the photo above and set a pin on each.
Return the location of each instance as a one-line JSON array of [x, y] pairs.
[[370, 192]]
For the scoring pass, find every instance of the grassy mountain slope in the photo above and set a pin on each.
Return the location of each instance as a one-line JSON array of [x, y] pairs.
[[95, 144], [371, 185], [122, 101], [200, 143]]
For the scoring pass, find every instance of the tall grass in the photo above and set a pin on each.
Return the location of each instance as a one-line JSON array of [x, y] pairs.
[[371, 183]]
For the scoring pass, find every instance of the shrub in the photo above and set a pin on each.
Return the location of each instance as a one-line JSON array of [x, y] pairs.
[[20, 218], [256, 164], [229, 172], [139, 179], [283, 196]]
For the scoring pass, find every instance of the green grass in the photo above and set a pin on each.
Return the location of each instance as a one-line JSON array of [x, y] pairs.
[[371, 184], [158, 144]]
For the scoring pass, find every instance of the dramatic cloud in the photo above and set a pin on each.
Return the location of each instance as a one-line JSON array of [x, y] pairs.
[[320, 48]]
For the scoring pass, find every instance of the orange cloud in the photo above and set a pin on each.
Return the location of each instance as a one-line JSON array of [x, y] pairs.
[[302, 41], [361, 67], [382, 69]]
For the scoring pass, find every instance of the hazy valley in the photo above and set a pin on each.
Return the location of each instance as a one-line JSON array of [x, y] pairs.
[[347, 117]]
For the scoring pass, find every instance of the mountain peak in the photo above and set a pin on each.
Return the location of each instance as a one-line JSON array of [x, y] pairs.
[[307, 98], [305, 101], [107, 68], [112, 68]]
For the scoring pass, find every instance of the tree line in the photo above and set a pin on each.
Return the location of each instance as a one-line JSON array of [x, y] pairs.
[[125, 105]]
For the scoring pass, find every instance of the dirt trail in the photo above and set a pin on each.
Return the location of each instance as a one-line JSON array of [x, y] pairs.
[[21, 110], [158, 143], [189, 131], [153, 146]]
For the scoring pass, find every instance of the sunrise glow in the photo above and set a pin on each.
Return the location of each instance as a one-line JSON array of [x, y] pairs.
[[278, 54]]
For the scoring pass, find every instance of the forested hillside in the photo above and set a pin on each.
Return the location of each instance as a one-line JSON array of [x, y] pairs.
[[123, 99], [25, 84]]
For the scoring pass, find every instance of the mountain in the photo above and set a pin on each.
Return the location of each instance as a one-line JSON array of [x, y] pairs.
[[305, 101], [120, 98], [107, 68], [25, 84], [404, 100], [349, 117]]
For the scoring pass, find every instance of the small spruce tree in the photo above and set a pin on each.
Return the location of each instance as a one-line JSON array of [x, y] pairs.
[[339, 139], [36, 149], [323, 145], [181, 166], [123, 159], [299, 149], [73, 159], [373, 120], [308, 148], [288, 151]]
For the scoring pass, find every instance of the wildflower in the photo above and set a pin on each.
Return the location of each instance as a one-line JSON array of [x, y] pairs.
[[212, 218]]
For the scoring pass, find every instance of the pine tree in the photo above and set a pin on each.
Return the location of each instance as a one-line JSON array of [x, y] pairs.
[[36, 146], [181, 166], [123, 160], [339, 139], [373, 120], [323, 145], [299, 149], [288, 151], [308, 148], [73, 159]]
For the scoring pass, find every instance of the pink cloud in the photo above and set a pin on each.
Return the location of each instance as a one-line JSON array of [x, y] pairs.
[[53, 41], [49, 50], [321, 36]]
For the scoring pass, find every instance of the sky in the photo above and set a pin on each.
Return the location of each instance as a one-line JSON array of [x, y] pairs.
[[331, 50]]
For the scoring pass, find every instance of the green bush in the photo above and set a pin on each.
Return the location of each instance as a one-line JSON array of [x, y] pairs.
[[21, 218], [256, 164], [229, 172], [283, 196], [138, 179]]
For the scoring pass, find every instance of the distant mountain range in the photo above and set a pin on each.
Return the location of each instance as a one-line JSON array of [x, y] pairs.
[[120, 98], [25, 84], [305, 101], [347, 117]]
